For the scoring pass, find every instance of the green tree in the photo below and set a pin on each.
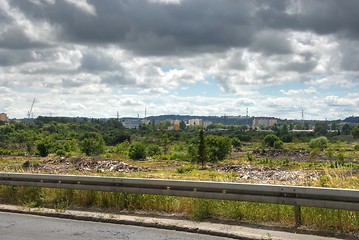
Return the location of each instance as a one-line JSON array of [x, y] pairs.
[[43, 147], [165, 142], [92, 146], [202, 148], [182, 125], [319, 142], [321, 128], [137, 151], [346, 129], [270, 139], [153, 150], [218, 147], [355, 131]]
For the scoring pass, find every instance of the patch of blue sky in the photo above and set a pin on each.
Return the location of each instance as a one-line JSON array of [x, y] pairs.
[[169, 68]]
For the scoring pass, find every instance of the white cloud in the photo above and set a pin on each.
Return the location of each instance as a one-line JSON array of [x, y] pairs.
[[292, 92], [84, 6]]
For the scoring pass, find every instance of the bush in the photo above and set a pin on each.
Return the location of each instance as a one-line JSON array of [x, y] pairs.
[[153, 150], [320, 143], [184, 169], [278, 144], [122, 148], [236, 142], [94, 145], [287, 138], [356, 147], [137, 151], [270, 139], [43, 148], [218, 148]]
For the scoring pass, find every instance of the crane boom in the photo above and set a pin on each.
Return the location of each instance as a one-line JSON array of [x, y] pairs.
[[32, 106]]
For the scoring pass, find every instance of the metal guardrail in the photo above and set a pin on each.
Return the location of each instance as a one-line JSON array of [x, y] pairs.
[[297, 196]]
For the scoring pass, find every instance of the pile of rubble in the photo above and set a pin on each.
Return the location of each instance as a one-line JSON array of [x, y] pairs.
[[280, 152], [296, 155], [267, 174], [63, 164]]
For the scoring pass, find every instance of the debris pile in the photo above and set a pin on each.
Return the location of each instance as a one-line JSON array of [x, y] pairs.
[[267, 174], [63, 164], [281, 152]]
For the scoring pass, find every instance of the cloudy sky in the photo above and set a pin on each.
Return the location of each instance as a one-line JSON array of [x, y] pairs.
[[200, 57]]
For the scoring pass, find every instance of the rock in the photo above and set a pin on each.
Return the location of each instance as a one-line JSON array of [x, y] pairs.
[[26, 164]]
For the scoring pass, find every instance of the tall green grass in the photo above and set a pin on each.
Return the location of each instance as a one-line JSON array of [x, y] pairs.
[[196, 209]]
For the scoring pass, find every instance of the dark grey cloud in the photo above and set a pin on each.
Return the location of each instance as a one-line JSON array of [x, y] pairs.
[[331, 16], [193, 26], [15, 57], [350, 55], [271, 43], [95, 61], [15, 38], [118, 79], [148, 28]]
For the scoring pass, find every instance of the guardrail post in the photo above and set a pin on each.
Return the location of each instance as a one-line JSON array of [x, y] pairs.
[[297, 215]]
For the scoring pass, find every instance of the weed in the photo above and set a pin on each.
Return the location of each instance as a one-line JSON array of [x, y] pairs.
[[185, 169]]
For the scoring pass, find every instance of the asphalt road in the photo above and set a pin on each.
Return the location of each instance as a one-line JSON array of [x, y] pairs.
[[25, 227]]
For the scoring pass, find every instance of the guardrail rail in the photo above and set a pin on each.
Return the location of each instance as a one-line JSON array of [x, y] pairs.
[[297, 196]]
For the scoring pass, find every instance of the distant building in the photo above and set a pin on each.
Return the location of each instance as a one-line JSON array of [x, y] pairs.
[[195, 122], [4, 117], [176, 125], [131, 123], [199, 122], [264, 121]]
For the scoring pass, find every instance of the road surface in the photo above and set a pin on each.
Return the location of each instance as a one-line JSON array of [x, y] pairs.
[[25, 227]]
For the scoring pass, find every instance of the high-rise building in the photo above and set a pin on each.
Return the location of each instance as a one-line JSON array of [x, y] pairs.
[[264, 121], [4, 117]]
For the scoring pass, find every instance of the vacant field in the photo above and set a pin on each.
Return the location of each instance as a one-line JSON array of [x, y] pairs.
[[288, 167]]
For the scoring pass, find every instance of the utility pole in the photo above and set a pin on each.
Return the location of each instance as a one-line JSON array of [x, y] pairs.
[[29, 112]]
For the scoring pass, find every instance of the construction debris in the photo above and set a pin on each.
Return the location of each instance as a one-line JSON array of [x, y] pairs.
[[267, 174], [63, 164]]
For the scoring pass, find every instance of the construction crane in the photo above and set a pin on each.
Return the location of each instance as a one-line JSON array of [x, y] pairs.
[[32, 106]]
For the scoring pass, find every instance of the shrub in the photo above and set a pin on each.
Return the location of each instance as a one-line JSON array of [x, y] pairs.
[[218, 147], [43, 148], [278, 144], [236, 142], [184, 169], [270, 139], [356, 147], [320, 143], [122, 148], [93, 145], [153, 150], [287, 138], [137, 151]]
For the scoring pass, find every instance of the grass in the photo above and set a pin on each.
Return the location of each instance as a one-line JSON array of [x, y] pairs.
[[344, 175]]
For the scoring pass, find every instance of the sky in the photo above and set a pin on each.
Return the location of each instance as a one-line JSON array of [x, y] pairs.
[[95, 58]]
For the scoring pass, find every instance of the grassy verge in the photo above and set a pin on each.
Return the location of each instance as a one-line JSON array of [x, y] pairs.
[[197, 209]]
